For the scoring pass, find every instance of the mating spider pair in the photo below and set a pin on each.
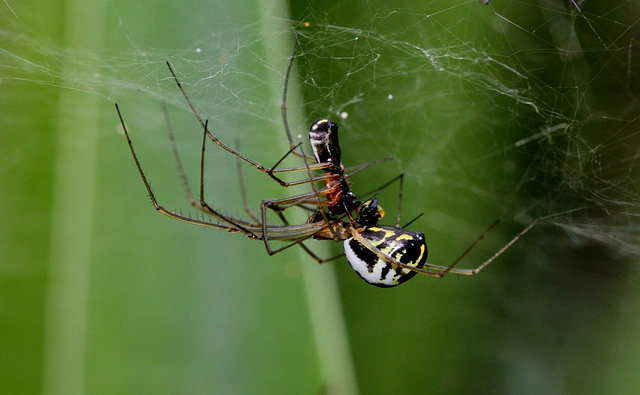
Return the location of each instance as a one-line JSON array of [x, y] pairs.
[[384, 256]]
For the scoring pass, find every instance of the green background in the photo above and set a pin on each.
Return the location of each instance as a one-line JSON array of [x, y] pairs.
[[99, 294]]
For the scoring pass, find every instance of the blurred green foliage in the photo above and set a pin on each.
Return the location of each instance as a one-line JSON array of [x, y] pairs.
[[99, 294]]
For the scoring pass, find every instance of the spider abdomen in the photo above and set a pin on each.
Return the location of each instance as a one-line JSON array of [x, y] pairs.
[[405, 246]]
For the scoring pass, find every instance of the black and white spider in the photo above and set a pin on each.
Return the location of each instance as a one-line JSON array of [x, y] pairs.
[[383, 256]]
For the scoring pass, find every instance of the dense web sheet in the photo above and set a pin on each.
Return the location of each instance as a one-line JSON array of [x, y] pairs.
[[537, 116]]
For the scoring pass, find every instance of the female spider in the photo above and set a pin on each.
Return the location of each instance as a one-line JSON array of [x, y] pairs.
[[383, 256]]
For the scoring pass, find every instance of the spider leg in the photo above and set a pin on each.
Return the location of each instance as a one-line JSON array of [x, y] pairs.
[[293, 233], [278, 210], [243, 192], [440, 271], [278, 205], [293, 146], [312, 230], [228, 225], [357, 169], [202, 205], [310, 198], [317, 258], [300, 242], [176, 156], [400, 179], [269, 171], [283, 103], [199, 205], [451, 268]]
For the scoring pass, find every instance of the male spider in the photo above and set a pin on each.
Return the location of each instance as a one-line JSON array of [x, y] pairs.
[[384, 256]]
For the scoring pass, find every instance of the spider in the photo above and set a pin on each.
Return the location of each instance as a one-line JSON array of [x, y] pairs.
[[384, 256]]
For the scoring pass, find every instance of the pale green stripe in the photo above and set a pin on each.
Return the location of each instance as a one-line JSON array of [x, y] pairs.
[[323, 297], [72, 215]]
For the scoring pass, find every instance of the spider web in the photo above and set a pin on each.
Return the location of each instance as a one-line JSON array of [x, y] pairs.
[[540, 113], [530, 115]]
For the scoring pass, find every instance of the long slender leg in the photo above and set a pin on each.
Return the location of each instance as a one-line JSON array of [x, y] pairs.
[[176, 156], [255, 231], [399, 178], [451, 268], [276, 205], [243, 192], [202, 205], [227, 225], [269, 171], [441, 271], [283, 103], [317, 258]]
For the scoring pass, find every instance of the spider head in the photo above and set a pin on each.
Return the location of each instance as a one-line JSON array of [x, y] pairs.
[[370, 213], [323, 136]]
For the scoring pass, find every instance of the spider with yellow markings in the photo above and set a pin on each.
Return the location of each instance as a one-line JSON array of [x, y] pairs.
[[383, 256]]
